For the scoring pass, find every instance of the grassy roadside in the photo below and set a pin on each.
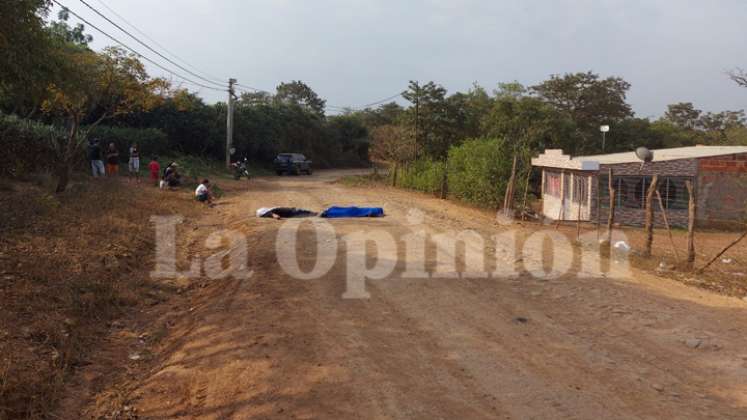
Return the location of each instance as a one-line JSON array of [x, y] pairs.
[[70, 265]]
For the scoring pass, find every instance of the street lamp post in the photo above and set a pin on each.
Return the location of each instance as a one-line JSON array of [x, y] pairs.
[[604, 129]]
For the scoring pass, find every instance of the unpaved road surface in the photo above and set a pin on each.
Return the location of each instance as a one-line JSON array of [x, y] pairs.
[[273, 346]]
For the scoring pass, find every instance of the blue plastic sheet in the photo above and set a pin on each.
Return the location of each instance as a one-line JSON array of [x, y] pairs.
[[353, 212]]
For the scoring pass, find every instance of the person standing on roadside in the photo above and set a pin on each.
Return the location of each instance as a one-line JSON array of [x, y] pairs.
[[134, 162], [112, 160], [94, 155], [155, 170]]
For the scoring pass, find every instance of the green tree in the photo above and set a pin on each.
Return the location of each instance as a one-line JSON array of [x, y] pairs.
[[528, 121], [347, 134], [69, 34], [28, 62], [588, 100], [717, 125], [97, 86], [683, 115], [385, 114], [468, 110], [431, 119], [299, 93]]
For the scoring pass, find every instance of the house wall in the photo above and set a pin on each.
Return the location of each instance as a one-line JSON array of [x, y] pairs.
[[637, 216], [555, 207], [722, 189]]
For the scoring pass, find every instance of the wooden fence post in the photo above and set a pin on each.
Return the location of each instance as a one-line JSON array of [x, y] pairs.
[[611, 216], [561, 210], [445, 182], [691, 207], [666, 224], [526, 192], [509, 197], [578, 220], [394, 174], [649, 228]]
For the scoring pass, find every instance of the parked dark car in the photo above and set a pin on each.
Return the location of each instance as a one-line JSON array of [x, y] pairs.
[[292, 163]]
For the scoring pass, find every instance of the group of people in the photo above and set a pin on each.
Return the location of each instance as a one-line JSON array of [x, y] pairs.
[[170, 178], [97, 156]]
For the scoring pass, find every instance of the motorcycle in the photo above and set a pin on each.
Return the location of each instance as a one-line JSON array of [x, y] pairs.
[[240, 169]]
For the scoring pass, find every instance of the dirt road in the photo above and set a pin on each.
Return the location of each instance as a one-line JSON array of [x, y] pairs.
[[272, 346]]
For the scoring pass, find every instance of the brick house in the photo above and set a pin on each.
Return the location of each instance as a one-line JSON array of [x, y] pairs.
[[577, 187]]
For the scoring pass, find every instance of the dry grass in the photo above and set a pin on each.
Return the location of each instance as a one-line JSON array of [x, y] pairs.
[[69, 265]]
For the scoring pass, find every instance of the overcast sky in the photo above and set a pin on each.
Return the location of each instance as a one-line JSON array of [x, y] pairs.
[[356, 52]]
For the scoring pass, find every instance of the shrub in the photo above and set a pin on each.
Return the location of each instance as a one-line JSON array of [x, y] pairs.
[[422, 175], [27, 146], [479, 171]]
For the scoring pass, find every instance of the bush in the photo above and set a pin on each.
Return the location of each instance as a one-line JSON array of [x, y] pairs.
[[423, 175], [479, 171], [27, 146]]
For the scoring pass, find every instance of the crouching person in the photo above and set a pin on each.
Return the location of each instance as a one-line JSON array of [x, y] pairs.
[[203, 194]]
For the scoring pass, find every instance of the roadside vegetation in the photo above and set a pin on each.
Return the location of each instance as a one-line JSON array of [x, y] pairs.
[[71, 265]]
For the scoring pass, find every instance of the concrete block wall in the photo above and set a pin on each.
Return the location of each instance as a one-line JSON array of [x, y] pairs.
[[722, 189], [635, 216]]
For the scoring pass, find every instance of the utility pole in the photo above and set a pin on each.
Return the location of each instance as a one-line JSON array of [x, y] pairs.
[[229, 122]]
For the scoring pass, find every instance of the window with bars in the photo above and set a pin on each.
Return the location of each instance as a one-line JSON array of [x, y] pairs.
[[580, 189], [630, 191]]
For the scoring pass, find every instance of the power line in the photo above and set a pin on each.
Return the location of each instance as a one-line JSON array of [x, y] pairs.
[[247, 88], [149, 47], [343, 108], [360, 108], [101, 2], [239, 86], [133, 51], [382, 101]]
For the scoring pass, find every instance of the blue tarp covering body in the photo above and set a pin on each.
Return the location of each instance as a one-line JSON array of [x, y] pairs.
[[353, 212]]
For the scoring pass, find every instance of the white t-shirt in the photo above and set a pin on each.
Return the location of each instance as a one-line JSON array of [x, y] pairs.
[[264, 210], [201, 190]]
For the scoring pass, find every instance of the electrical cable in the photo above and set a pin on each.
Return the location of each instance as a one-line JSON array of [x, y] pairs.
[[149, 47], [173, 73], [114, 12]]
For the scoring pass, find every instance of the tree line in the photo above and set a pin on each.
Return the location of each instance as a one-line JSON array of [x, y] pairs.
[[50, 76], [470, 138], [56, 93]]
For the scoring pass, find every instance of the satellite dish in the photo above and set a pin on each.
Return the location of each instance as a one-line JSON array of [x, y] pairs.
[[644, 155]]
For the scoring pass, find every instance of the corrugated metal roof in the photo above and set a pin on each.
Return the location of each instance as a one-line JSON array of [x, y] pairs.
[[555, 158]]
